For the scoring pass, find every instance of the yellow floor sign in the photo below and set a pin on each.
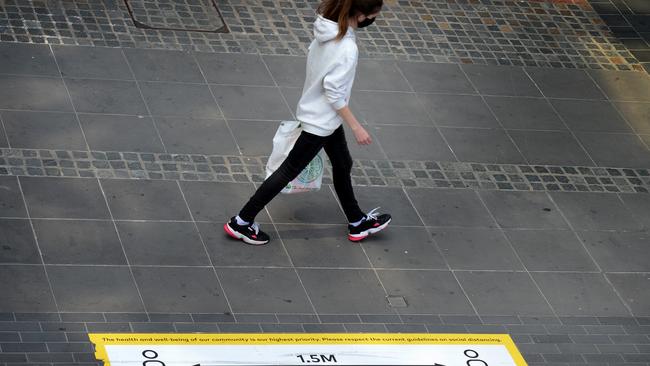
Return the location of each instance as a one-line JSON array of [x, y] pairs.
[[306, 349]]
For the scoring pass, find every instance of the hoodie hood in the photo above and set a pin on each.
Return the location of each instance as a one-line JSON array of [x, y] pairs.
[[326, 30]]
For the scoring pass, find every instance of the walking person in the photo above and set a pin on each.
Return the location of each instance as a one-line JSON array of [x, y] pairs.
[[322, 109]]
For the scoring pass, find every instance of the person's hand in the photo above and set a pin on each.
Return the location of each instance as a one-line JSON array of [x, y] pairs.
[[362, 136]]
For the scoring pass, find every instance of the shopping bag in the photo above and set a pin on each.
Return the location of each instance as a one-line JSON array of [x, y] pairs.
[[310, 179]]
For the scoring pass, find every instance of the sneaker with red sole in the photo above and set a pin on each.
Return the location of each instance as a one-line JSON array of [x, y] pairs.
[[371, 224], [249, 234]]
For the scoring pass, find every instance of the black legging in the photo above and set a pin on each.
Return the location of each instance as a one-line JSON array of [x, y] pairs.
[[305, 149]]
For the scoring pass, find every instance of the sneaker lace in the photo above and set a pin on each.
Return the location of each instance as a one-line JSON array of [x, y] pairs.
[[372, 215], [255, 227]]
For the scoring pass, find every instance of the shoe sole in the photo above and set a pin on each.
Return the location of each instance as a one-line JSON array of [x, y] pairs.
[[364, 234], [242, 237]]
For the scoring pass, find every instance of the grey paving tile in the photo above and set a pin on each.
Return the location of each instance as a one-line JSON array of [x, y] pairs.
[[78, 242], [324, 328], [297, 318], [237, 69], [530, 210], [372, 152], [403, 248], [646, 139], [425, 77], [591, 211], [525, 113], [17, 243], [163, 65], [162, 243], [264, 290], [565, 83], [633, 289], [636, 114], [447, 207], [501, 80], [120, 133], [254, 138], [106, 96], [379, 75], [361, 289], [503, 293], [554, 148], [588, 115], [4, 142], [225, 251], [321, 246], [64, 198], [639, 206], [92, 62], [196, 327], [251, 102], [482, 145], [292, 96], [391, 200], [426, 292], [187, 100], [426, 143], [316, 208], [27, 59], [574, 294], [180, 289], [85, 288], [458, 110], [618, 251], [459, 247], [286, 70], [153, 328], [218, 202], [616, 149], [11, 200], [185, 135], [627, 86], [390, 108], [33, 93], [550, 250], [145, 200], [380, 318], [43, 130], [212, 318]]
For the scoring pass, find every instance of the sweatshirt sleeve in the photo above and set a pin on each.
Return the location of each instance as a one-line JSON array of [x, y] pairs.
[[338, 80]]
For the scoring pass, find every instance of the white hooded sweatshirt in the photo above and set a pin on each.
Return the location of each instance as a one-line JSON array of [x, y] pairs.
[[331, 65]]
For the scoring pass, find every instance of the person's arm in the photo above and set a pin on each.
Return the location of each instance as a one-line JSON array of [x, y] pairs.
[[335, 92], [360, 133]]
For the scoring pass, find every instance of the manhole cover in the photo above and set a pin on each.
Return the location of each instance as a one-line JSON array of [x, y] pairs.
[[177, 15]]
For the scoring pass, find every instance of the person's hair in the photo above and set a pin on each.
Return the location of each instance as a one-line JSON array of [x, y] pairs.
[[340, 11]]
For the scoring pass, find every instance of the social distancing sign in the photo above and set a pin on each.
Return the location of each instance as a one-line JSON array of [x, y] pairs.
[[306, 349]]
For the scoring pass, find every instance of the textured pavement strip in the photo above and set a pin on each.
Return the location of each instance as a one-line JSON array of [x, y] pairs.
[[384, 173], [552, 33], [60, 338]]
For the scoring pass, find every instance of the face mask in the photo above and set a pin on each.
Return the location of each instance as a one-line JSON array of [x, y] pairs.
[[366, 22]]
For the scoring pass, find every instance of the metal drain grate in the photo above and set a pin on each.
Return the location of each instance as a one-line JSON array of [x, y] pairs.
[[177, 15]]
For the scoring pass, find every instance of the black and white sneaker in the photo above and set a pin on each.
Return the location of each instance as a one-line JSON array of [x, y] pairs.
[[249, 234], [371, 224]]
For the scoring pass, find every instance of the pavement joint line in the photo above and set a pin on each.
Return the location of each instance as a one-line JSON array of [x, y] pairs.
[[119, 239], [144, 101], [205, 248]]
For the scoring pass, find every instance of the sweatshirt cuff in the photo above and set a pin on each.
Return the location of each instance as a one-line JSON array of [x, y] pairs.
[[339, 104]]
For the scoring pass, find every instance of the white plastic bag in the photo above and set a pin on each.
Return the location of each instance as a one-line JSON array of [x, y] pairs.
[[310, 179]]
